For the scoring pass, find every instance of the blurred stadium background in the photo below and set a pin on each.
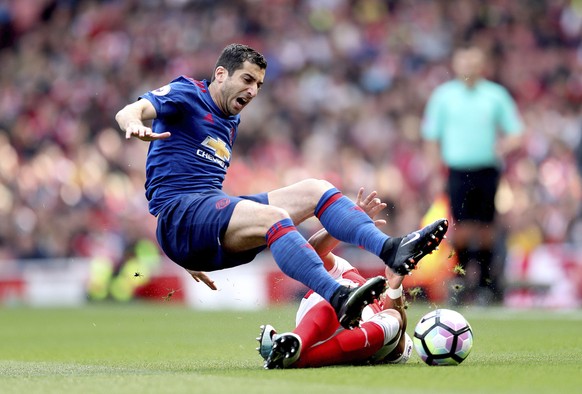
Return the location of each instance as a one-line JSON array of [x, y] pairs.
[[346, 86]]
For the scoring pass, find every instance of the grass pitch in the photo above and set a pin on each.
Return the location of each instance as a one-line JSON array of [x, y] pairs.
[[167, 348]]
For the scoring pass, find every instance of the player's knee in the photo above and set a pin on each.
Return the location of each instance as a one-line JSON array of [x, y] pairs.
[[394, 314], [391, 323], [388, 314], [315, 187], [273, 215]]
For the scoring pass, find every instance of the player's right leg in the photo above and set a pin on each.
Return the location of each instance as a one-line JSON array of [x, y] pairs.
[[297, 258], [266, 338], [389, 320], [345, 221], [403, 254]]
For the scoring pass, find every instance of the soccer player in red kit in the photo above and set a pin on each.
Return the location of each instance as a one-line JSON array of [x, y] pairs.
[[318, 340]]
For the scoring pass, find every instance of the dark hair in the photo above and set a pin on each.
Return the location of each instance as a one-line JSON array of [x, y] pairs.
[[234, 55]]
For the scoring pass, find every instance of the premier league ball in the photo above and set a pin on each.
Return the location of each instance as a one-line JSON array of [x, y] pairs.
[[443, 337]]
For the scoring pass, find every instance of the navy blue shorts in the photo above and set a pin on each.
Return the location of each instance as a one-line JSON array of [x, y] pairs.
[[472, 194], [191, 228]]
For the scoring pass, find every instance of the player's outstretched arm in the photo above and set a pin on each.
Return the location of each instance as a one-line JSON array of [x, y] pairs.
[[131, 117], [396, 302], [395, 284]]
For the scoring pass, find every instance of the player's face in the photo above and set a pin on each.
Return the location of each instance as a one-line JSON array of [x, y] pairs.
[[237, 90]]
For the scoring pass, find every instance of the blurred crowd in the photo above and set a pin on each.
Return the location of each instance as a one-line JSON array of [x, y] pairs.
[[345, 89]]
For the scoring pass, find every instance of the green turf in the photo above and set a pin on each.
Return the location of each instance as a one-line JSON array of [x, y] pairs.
[[167, 348]]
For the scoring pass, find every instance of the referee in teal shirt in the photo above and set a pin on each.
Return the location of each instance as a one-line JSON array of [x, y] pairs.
[[469, 125]]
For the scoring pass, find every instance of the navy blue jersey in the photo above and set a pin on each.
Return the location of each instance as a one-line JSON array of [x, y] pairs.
[[197, 154]]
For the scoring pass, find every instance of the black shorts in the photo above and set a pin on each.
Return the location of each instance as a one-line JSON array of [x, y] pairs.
[[472, 194]]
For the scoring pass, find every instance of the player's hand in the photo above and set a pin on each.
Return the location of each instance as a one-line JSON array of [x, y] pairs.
[[371, 205], [200, 276], [144, 133], [394, 280]]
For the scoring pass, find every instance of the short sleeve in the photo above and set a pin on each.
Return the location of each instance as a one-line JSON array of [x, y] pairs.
[[166, 100], [432, 121], [509, 118]]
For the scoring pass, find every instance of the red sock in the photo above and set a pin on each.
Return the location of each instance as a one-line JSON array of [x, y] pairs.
[[349, 346], [317, 325]]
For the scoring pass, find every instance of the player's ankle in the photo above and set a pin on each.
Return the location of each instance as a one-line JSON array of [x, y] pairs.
[[389, 249], [338, 298]]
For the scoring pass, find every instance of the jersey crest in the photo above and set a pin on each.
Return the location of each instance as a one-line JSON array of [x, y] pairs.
[[162, 91]]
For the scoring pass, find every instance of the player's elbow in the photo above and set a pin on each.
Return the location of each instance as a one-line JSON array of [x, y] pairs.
[[131, 113], [120, 115]]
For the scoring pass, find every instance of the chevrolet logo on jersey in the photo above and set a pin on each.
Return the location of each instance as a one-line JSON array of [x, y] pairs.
[[219, 148]]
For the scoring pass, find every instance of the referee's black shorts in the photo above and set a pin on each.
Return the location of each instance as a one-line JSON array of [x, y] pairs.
[[472, 194]]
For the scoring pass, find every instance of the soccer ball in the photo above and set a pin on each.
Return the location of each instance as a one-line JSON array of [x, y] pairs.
[[443, 337]]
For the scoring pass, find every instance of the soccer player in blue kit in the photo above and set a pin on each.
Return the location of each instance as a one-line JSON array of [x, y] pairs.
[[201, 228]]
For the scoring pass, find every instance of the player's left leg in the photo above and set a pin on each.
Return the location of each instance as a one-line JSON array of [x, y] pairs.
[[296, 257], [285, 352], [487, 184], [347, 347], [317, 325], [307, 347], [375, 341]]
